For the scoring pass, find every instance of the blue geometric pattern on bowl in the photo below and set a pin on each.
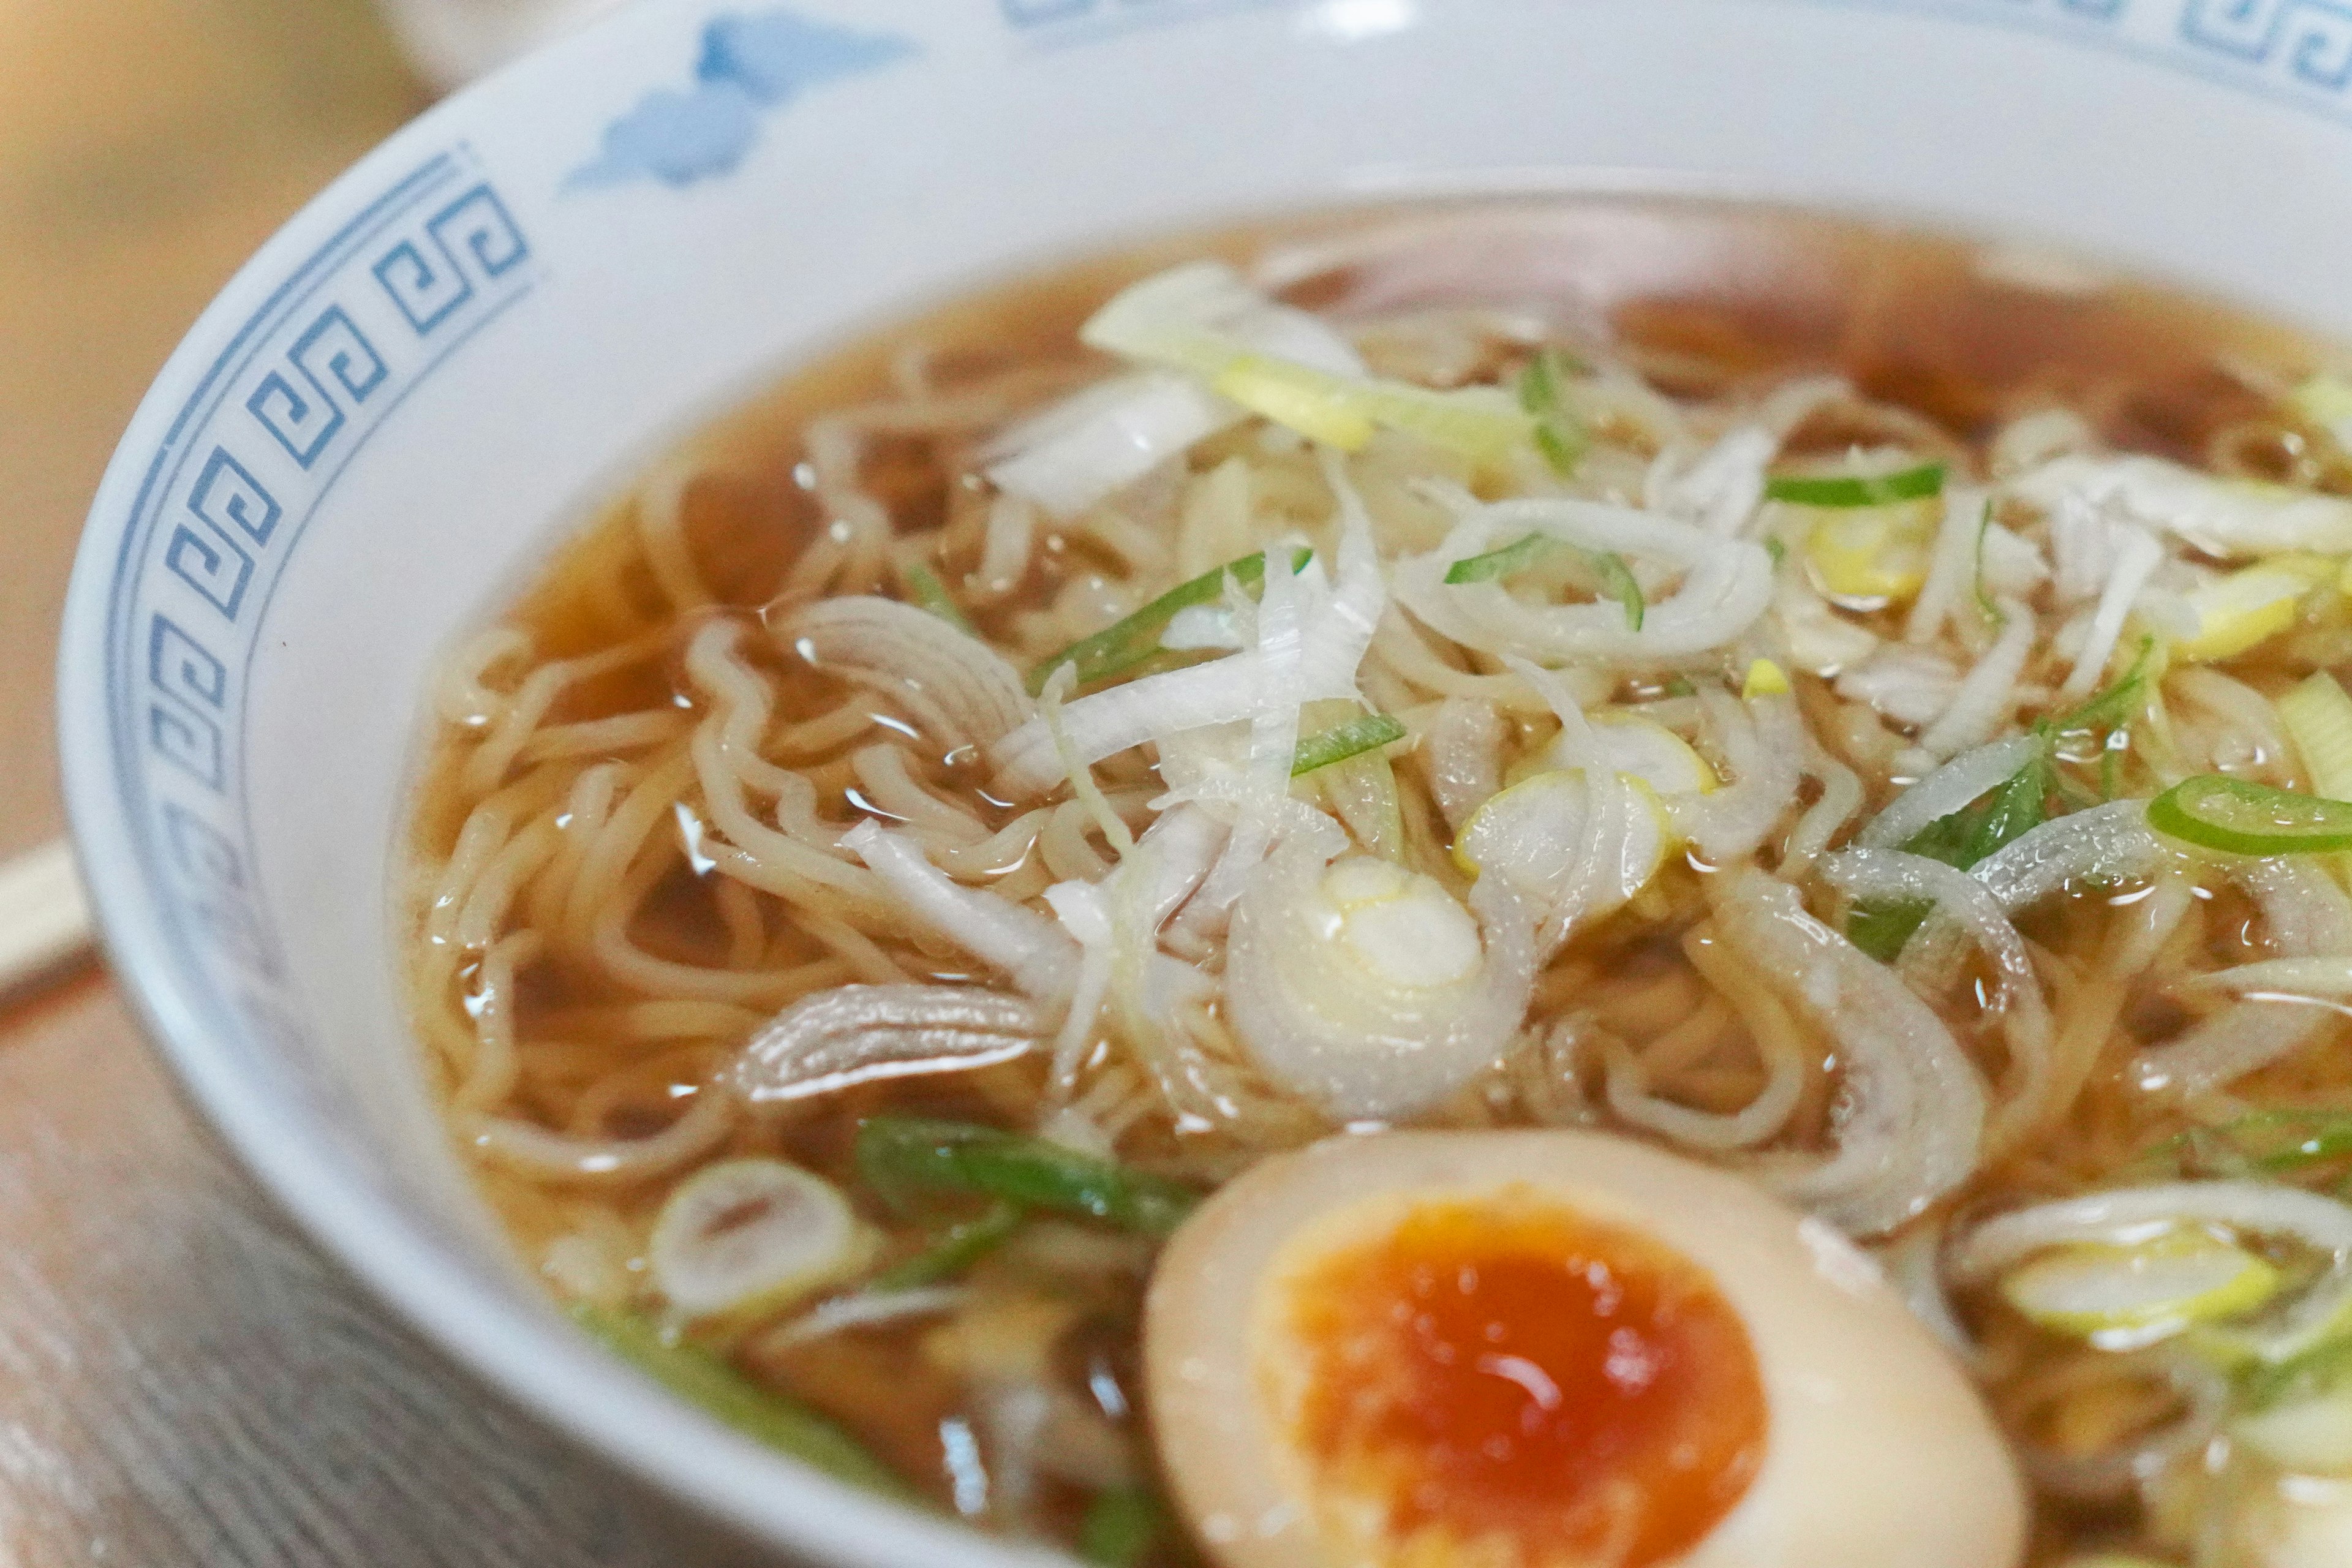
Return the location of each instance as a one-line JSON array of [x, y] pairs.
[[750, 66], [250, 459]]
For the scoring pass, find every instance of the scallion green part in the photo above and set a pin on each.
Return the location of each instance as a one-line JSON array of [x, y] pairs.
[[2237, 816], [900, 1156], [923, 585], [1560, 436], [2003, 815], [953, 1250], [1617, 581], [1362, 734], [1509, 562], [706, 1381], [1616, 578], [2112, 707], [1985, 604], [1858, 489], [1121, 1527], [1124, 644]]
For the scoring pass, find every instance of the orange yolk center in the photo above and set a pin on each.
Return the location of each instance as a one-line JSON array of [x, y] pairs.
[[1526, 1384]]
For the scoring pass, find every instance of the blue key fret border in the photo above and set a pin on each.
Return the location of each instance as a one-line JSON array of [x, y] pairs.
[[360, 325]]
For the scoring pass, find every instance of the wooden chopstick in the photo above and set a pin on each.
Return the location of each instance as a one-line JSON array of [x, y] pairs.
[[44, 918]]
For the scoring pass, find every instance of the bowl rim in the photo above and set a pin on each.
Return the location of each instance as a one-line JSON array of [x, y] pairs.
[[528, 1354]]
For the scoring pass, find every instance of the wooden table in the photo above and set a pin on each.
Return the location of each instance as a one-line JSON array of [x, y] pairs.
[[183, 1379]]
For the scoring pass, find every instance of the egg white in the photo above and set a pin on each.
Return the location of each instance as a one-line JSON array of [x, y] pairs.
[[1878, 1453]]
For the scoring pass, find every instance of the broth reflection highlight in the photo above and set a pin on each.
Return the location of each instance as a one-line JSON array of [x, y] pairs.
[[1686, 708]]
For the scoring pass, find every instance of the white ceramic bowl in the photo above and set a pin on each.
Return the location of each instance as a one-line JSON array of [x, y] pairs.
[[494, 320]]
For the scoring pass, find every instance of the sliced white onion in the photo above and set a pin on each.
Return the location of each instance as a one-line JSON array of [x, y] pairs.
[[745, 1236], [1367, 988], [1726, 585], [2287, 976], [1019, 940], [1462, 756], [1908, 683], [957, 689], [2128, 1216], [864, 1034], [1988, 693], [1086, 914], [1819, 638], [2135, 557], [865, 1310], [1951, 564], [2018, 998], [2105, 844], [1209, 298], [1840, 797], [2306, 917], [2221, 517], [1721, 488], [1338, 618], [1101, 440], [1911, 1111], [1574, 844], [1763, 740], [2013, 565], [1948, 789]]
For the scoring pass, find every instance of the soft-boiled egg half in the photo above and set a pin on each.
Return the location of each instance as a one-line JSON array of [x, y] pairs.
[[1547, 1348]]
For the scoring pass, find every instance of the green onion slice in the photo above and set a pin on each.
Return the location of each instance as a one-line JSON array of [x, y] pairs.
[[953, 1250], [1121, 1527], [924, 586], [2115, 705], [1124, 644], [1985, 606], [1340, 741], [1560, 436], [1509, 562], [1858, 489], [1616, 577], [2237, 816], [704, 1379], [2006, 814], [899, 1154]]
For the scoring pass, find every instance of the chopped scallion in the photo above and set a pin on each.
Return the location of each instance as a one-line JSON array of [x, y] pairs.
[[2115, 705], [1616, 578], [954, 1250], [899, 1154], [924, 586], [1560, 436], [1509, 562], [1127, 643], [1340, 741], [1121, 1527], [1857, 489], [1985, 604], [1976, 831], [708, 1382], [2239, 816]]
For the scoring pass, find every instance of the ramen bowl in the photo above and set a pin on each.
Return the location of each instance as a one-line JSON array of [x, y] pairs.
[[493, 322]]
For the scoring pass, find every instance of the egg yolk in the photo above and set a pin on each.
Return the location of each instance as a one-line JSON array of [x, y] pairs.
[[1510, 1381]]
